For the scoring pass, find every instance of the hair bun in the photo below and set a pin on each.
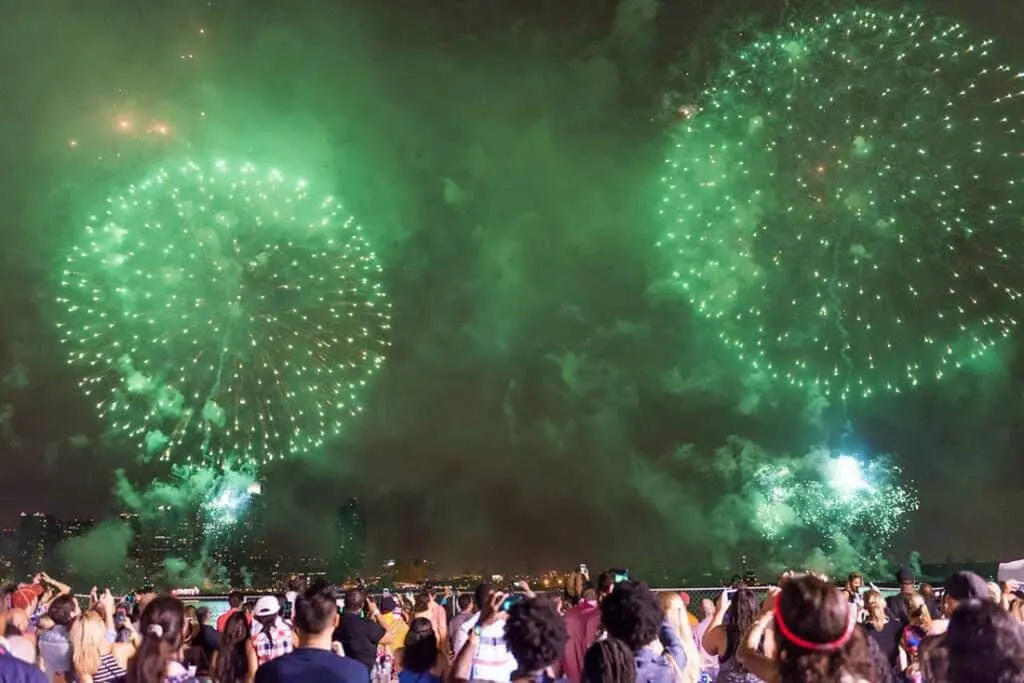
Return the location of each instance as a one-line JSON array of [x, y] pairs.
[[156, 630]]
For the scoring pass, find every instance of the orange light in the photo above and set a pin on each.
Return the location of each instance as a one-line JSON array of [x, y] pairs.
[[124, 124]]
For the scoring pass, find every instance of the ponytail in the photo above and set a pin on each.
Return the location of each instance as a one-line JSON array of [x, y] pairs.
[[161, 627]]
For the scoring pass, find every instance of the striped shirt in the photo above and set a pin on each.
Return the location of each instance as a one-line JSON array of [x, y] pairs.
[[109, 670]]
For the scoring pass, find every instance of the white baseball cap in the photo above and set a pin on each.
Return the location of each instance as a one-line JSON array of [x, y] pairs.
[[266, 606]]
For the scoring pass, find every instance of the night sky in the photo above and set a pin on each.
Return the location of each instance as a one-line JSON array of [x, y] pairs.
[[504, 158]]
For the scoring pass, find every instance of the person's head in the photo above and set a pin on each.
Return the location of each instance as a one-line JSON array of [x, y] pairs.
[[235, 599], [422, 602], [236, 630], [905, 578], [707, 608], [88, 636], [232, 653], [191, 622], [17, 618], [609, 661], [203, 615], [296, 584], [816, 634], [482, 595], [984, 645], [632, 614], [420, 653], [161, 630], [266, 610], [355, 600], [27, 597], [742, 611], [961, 587], [927, 591], [63, 610], [917, 609], [535, 634], [874, 603], [854, 582], [589, 594], [605, 584], [465, 602], [674, 609], [995, 593], [316, 615]]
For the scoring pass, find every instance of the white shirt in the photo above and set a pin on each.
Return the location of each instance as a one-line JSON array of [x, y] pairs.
[[493, 661]]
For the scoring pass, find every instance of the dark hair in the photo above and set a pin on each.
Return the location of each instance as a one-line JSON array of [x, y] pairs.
[[203, 614], [315, 610], [232, 654], [62, 610], [854, 575], [482, 594], [164, 615], [465, 601], [740, 616], [814, 610], [422, 602], [354, 600], [609, 661], [420, 653], [295, 583], [984, 644], [632, 614], [535, 634], [605, 582], [235, 599]]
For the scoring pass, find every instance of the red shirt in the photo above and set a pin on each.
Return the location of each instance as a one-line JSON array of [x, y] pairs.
[[582, 622], [223, 619]]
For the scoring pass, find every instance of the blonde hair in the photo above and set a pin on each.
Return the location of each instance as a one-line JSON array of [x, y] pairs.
[[874, 603], [675, 611], [1017, 610], [917, 608], [87, 635]]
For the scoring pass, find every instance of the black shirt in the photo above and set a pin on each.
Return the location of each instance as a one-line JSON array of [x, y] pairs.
[[307, 665], [888, 640], [898, 608], [359, 637]]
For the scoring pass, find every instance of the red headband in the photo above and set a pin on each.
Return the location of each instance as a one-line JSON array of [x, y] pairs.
[[808, 645]]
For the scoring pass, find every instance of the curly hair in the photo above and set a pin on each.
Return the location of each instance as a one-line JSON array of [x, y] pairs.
[[815, 611], [632, 614], [609, 661], [535, 634], [984, 645]]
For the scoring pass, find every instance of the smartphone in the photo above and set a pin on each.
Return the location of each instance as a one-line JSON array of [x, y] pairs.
[[512, 600], [620, 575]]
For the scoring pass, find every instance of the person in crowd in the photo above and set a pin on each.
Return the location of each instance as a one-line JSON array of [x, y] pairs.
[[395, 630], [21, 642], [205, 643], [633, 615], [583, 623], [854, 584], [421, 610], [984, 645], [466, 609], [95, 658], [27, 597], [690, 616], [157, 659], [961, 588], [897, 604], [192, 654], [439, 616], [235, 660], [235, 602], [536, 636], [816, 639], [360, 636], [709, 662], [609, 661], [1017, 610], [558, 601], [295, 586], [914, 633], [484, 654], [420, 658], [14, 670], [733, 617], [677, 616], [271, 635], [314, 660], [927, 592], [54, 643], [885, 631]]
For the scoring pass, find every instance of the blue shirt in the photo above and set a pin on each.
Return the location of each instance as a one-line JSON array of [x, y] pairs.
[[13, 670], [312, 665]]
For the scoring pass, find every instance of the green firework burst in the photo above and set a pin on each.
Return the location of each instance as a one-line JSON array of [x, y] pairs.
[[224, 314]]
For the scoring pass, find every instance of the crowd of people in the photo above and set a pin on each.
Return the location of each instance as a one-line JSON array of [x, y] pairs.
[[804, 629]]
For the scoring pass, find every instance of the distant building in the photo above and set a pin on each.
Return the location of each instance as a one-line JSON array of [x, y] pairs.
[[8, 554], [38, 537], [349, 559]]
